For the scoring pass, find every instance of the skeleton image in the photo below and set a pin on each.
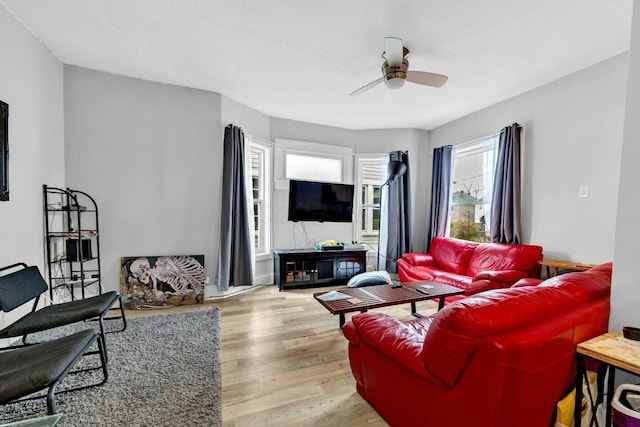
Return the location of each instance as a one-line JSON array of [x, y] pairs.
[[183, 274]]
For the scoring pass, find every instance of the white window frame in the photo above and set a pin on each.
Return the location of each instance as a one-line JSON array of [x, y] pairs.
[[361, 160], [264, 150], [285, 148], [469, 148]]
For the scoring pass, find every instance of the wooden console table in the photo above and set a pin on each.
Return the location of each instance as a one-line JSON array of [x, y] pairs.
[[614, 352], [553, 266]]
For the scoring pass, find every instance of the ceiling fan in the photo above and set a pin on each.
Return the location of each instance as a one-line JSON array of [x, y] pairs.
[[395, 66]]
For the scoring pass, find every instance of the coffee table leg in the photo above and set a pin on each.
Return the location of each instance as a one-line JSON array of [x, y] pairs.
[[414, 310], [441, 304], [342, 320]]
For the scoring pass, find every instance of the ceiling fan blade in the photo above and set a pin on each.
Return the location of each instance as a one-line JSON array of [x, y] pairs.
[[366, 87], [428, 79], [393, 51]]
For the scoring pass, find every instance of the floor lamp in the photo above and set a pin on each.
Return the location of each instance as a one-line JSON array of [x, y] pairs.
[[395, 169]]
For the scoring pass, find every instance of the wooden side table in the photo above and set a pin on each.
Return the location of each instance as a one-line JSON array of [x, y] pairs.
[[553, 266], [614, 352]]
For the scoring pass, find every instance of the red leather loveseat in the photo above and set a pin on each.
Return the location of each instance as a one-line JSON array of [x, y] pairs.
[[498, 358], [474, 267]]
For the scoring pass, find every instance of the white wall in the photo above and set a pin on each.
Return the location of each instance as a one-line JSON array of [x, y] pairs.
[[151, 156], [625, 295], [31, 83], [572, 137]]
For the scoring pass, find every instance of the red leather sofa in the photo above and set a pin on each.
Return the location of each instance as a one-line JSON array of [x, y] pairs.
[[474, 267], [502, 357]]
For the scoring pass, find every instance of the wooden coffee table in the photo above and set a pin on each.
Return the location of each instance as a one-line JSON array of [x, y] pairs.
[[384, 296]]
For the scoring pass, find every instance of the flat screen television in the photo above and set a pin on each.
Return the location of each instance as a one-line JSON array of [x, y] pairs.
[[320, 201]]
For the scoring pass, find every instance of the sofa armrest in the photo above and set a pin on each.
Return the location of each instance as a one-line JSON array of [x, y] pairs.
[[504, 276], [419, 259], [393, 338]]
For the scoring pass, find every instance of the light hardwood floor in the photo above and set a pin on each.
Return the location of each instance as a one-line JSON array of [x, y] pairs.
[[285, 360]]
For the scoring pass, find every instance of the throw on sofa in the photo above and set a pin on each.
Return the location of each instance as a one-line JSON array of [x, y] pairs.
[[474, 267], [499, 358]]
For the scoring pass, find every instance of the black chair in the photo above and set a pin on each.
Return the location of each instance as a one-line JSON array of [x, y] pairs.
[[26, 284], [27, 370]]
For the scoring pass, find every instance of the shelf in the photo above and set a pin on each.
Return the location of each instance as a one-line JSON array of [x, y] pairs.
[[72, 251], [84, 234], [87, 282], [302, 267]]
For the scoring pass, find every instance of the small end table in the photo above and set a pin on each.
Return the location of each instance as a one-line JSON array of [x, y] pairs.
[[553, 266], [614, 352]]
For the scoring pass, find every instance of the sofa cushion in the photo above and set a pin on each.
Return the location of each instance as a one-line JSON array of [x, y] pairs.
[[452, 254], [423, 273], [452, 279], [581, 289], [457, 329], [500, 256]]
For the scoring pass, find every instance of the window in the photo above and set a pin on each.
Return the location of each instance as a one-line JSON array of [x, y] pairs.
[[311, 161], [260, 191], [473, 168], [370, 179], [313, 168]]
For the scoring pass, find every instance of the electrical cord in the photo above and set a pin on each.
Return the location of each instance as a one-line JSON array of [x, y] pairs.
[[395, 261]]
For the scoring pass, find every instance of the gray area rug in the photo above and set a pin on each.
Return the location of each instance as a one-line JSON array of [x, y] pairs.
[[163, 371]]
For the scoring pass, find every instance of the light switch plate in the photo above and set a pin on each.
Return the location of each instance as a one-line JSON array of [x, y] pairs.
[[583, 192]]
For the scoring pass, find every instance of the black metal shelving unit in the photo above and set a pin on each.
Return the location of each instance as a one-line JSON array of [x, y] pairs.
[[72, 244]]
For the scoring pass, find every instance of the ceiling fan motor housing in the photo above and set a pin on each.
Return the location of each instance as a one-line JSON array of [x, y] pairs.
[[394, 76]]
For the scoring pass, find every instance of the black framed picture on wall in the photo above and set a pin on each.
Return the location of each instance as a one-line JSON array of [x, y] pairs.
[[4, 151]]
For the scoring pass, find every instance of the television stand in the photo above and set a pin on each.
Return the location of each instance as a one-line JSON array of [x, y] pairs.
[[296, 268]]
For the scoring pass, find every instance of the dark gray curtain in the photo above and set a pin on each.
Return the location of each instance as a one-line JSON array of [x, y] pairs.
[[440, 192], [235, 264], [505, 205], [395, 218]]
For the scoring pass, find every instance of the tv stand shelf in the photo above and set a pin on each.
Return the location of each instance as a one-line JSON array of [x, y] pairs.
[[312, 268]]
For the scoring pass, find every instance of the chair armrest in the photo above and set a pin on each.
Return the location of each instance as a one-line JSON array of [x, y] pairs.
[[419, 259], [504, 276]]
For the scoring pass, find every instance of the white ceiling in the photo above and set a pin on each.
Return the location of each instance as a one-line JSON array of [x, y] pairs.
[[299, 59]]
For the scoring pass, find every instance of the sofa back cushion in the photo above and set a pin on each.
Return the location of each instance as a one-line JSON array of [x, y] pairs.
[[457, 329], [500, 256], [452, 254]]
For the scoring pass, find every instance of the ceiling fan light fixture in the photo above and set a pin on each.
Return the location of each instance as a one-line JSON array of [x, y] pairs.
[[394, 76], [394, 83]]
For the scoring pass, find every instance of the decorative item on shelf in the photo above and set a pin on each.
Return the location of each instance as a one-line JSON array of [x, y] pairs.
[[631, 333], [329, 245]]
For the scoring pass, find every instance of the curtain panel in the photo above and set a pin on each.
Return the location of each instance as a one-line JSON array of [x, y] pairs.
[[395, 218], [440, 192], [235, 260], [506, 201]]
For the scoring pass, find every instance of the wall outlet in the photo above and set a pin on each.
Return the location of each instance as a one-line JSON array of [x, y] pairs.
[[206, 281], [583, 192]]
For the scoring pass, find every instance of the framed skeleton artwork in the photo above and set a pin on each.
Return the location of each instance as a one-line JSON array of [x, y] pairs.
[[156, 281]]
